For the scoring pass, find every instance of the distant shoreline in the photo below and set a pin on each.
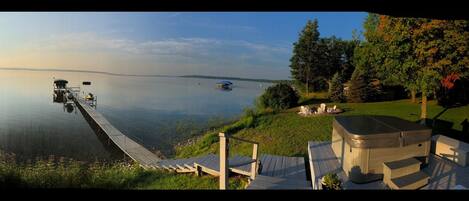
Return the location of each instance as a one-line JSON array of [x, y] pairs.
[[142, 75]]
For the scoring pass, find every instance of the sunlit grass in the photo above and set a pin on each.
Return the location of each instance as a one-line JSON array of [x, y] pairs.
[[62, 173], [287, 133]]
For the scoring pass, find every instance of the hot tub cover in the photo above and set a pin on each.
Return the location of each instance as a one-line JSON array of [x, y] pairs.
[[375, 131]]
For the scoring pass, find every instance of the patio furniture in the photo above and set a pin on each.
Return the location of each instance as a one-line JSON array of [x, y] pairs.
[[451, 149], [305, 110]]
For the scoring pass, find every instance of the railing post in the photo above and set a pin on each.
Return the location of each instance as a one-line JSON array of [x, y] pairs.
[[223, 161], [255, 165]]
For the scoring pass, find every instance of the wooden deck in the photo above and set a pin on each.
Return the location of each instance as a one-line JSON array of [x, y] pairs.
[[278, 172], [281, 172], [131, 148], [443, 173]]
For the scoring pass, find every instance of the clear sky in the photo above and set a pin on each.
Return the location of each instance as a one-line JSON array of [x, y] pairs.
[[255, 45]]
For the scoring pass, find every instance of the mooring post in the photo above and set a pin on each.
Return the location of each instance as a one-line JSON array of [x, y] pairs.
[[223, 161]]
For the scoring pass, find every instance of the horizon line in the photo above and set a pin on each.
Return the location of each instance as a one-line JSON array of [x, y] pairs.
[[125, 74]]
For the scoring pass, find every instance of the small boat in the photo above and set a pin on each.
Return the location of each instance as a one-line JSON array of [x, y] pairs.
[[224, 84]]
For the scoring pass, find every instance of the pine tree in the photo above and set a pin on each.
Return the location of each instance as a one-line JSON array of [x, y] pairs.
[[336, 89], [308, 55], [361, 89]]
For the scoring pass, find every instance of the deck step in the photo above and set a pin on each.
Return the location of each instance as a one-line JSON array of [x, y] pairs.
[[400, 168], [410, 182], [394, 165], [268, 182]]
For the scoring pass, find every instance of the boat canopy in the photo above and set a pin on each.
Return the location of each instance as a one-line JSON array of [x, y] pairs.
[[225, 82], [60, 81]]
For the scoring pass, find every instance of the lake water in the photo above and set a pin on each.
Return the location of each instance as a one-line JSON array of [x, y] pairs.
[[154, 111]]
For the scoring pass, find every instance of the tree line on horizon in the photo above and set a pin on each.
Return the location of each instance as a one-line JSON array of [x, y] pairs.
[[425, 57]]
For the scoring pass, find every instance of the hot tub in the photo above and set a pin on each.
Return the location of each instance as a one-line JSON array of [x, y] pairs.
[[364, 143]]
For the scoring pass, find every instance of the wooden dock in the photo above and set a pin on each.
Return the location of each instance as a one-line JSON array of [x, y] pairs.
[[131, 148], [276, 172]]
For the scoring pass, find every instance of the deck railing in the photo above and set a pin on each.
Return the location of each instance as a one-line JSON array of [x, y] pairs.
[[224, 162]]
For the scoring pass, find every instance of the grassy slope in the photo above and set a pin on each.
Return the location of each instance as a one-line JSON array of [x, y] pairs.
[[287, 133]]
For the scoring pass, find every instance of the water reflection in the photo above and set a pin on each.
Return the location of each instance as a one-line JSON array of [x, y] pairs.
[[157, 112]]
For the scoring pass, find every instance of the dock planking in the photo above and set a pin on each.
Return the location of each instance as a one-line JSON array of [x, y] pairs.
[[131, 148]]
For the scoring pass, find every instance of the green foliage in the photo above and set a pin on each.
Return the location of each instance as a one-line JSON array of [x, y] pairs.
[[331, 182], [416, 53], [315, 60], [279, 97], [336, 89]]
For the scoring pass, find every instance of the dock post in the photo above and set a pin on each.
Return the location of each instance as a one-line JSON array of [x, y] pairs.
[[223, 161], [255, 165]]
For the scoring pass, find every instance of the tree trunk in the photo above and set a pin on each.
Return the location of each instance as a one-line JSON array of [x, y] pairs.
[[412, 95], [307, 88], [423, 114]]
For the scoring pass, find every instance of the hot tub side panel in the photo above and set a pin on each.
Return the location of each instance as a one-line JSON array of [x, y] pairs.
[[355, 164], [337, 143], [366, 164]]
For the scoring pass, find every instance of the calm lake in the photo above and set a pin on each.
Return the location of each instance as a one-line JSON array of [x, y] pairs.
[[154, 111]]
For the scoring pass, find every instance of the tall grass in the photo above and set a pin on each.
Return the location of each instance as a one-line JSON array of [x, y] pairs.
[[68, 173], [65, 173]]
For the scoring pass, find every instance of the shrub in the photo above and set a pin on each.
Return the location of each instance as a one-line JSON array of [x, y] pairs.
[[279, 97], [457, 94], [331, 182], [336, 90]]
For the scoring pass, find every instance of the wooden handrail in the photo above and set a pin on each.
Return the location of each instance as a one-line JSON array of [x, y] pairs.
[[224, 162]]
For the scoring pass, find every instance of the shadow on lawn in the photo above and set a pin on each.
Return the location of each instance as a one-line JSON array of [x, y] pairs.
[[446, 127]]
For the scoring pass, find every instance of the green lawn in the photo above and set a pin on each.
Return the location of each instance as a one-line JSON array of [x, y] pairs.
[[287, 133]]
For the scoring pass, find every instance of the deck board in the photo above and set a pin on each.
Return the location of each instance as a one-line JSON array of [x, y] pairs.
[[281, 172], [268, 166], [131, 148]]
